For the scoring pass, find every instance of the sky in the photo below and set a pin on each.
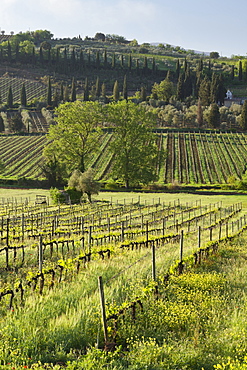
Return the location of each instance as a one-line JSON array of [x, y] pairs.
[[208, 25]]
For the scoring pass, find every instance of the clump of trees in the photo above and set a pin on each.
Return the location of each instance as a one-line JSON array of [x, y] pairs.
[[78, 130]]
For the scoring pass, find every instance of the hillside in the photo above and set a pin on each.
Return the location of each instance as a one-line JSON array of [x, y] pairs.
[[192, 158]]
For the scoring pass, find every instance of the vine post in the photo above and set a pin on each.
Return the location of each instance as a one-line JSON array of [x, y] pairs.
[[102, 303]]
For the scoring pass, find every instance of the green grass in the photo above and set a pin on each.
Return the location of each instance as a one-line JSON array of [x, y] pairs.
[[198, 321]]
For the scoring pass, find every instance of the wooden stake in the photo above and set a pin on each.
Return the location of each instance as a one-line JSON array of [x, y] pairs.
[[102, 303], [181, 246]]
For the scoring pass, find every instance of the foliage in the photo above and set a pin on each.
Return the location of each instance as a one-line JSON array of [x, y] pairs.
[[134, 144], [53, 170], [214, 116], [244, 116], [163, 91], [16, 124], [77, 131], [84, 183]]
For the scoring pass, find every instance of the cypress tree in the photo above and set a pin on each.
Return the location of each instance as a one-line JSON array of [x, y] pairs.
[[187, 84], [116, 91], [65, 61], [214, 88], [153, 65], [55, 99], [198, 83], [243, 121], [125, 90], [81, 59], [214, 116], [97, 61], [57, 56], [177, 69], [105, 58], [23, 96], [103, 90], [10, 98], [49, 93], [86, 91], [122, 61], [61, 95], [2, 128], [143, 93], [145, 65], [97, 88], [113, 61], [200, 65], [129, 62], [199, 115], [66, 94], [240, 71], [41, 57], [137, 66], [232, 72], [185, 65], [89, 58], [180, 87], [209, 68], [73, 60], [9, 52], [33, 56], [221, 89], [73, 90], [204, 91]]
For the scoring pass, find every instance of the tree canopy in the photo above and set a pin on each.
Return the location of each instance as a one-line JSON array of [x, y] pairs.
[[76, 134], [134, 147]]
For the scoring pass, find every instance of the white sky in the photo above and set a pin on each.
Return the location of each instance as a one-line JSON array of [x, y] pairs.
[[193, 24]]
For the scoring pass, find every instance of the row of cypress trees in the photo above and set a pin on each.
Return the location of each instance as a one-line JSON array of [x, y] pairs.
[[66, 61]]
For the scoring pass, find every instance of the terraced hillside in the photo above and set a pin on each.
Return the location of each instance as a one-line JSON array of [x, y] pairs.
[[34, 89], [191, 157]]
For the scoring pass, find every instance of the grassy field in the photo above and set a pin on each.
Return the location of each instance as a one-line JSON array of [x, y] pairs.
[[197, 320]]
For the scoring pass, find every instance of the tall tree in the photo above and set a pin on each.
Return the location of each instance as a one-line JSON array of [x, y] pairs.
[[113, 61], [75, 136], [134, 145], [9, 52], [73, 90], [180, 87], [49, 93], [199, 114], [10, 98], [143, 94], [97, 60], [153, 65], [129, 61], [2, 128], [240, 71], [103, 90], [204, 91], [116, 91], [86, 90], [61, 95], [97, 88], [125, 89], [23, 95], [177, 73], [243, 121], [105, 58], [214, 116]]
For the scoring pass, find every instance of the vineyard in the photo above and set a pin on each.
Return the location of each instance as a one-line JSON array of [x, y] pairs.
[[33, 89], [60, 264], [199, 158]]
